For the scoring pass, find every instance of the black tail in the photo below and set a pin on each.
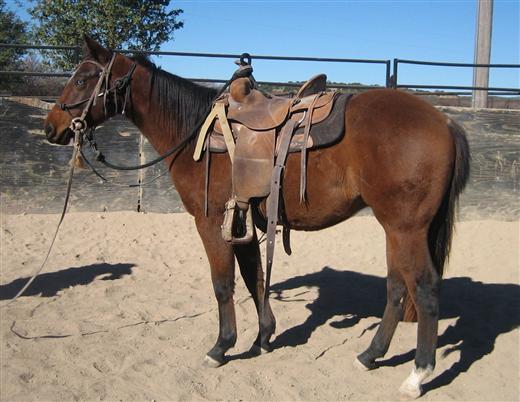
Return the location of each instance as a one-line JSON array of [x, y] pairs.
[[441, 228]]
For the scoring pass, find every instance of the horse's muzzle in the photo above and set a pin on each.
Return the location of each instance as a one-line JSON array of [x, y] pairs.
[[58, 138], [49, 131]]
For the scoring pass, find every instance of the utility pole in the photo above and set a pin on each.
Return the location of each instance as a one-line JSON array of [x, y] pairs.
[[482, 52]]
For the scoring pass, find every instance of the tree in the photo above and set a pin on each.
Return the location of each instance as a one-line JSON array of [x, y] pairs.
[[135, 24], [12, 30]]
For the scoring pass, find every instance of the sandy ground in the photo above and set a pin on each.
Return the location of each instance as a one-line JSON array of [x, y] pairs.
[[125, 311]]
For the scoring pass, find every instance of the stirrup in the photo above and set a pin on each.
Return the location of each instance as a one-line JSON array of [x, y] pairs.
[[229, 220]]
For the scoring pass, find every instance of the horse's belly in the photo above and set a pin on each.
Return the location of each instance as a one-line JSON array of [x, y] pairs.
[[331, 195]]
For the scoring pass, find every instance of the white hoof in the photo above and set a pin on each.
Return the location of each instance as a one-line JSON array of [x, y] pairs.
[[412, 386], [359, 366], [211, 362]]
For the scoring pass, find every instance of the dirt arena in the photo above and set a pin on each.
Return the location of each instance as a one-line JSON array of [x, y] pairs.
[[125, 311]]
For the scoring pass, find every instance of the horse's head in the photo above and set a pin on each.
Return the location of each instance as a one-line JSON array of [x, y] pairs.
[[97, 90]]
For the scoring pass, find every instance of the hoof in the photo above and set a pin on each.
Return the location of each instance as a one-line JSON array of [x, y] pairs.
[[211, 362], [409, 392], [360, 366], [257, 350], [363, 363], [411, 387]]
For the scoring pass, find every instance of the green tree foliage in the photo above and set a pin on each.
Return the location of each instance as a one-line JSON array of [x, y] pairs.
[[286, 90], [12, 30], [135, 24]]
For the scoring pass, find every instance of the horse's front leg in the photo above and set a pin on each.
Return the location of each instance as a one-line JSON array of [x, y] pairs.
[[222, 264], [250, 262]]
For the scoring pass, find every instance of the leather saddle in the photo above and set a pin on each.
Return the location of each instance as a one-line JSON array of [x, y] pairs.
[[249, 124]]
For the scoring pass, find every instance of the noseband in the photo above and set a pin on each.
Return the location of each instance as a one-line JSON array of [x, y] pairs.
[[79, 124]]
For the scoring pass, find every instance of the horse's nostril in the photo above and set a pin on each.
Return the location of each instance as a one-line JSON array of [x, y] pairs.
[[49, 130]]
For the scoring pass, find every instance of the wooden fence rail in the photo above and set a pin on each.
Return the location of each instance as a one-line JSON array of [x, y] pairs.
[[33, 172]]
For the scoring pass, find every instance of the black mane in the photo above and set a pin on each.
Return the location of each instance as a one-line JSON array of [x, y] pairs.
[[181, 102]]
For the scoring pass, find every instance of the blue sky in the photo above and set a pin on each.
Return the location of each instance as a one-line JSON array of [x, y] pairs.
[[417, 29]]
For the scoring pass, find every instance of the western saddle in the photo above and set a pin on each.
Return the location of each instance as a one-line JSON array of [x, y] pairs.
[[258, 131]]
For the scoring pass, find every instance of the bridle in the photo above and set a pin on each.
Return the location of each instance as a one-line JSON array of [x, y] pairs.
[[79, 125], [121, 84]]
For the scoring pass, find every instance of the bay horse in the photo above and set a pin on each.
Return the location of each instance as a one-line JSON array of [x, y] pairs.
[[399, 156]]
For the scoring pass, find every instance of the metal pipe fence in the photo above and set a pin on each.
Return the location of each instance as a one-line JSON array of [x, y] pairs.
[[77, 52], [391, 78], [496, 90]]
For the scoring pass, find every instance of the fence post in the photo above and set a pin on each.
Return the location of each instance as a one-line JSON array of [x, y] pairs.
[[482, 52], [394, 76], [388, 74]]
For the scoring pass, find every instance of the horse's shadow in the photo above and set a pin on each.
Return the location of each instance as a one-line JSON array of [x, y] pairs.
[[484, 311], [49, 284]]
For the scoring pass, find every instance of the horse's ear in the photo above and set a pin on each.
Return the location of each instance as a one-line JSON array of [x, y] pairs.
[[93, 50]]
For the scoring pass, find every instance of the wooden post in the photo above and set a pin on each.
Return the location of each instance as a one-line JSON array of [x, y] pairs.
[[482, 52]]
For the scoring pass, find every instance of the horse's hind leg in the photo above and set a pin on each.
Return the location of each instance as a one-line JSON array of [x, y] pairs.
[[395, 290], [250, 262], [408, 252], [222, 264]]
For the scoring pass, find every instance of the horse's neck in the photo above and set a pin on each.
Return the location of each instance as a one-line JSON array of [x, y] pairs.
[[156, 131], [156, 120], [157, 134]]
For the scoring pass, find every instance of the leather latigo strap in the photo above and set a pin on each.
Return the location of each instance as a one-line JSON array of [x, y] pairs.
[[274, 198], [303, 164]]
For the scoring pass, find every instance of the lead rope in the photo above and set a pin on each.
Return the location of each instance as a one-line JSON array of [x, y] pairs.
[[78, 135], [78, 125]]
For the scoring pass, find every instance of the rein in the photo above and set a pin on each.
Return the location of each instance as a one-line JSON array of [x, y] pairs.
[[100, 157], [77, 148]]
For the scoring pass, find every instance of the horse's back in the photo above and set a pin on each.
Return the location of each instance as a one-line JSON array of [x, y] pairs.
[[394, 113]]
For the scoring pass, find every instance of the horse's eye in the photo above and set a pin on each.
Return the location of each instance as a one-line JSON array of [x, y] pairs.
[[80, 82]]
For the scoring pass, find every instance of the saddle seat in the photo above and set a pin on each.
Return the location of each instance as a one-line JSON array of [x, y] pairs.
[[259, 111], [253, 108]]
